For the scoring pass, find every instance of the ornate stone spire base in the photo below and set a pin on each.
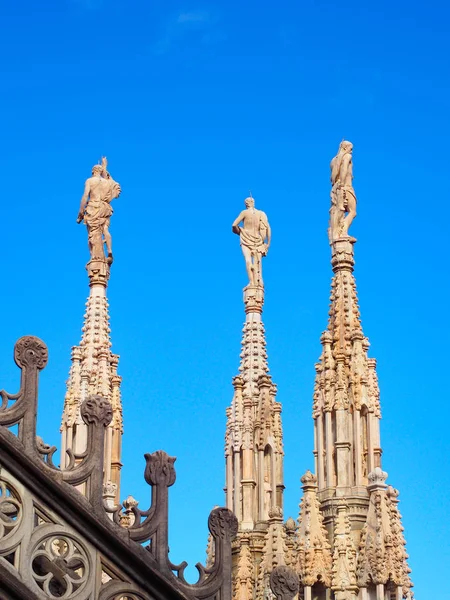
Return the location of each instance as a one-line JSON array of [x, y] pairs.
[[254, 439], [94, 372], [253, 299], [98, 272], [254, 461], [342, 254]]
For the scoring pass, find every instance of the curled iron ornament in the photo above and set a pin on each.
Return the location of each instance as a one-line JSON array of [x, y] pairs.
[[284, 583], [159, 469], [97, 410], [221, 522], [30, 351]]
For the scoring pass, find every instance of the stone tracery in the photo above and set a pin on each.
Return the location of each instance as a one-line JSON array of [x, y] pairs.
[[38, 500]]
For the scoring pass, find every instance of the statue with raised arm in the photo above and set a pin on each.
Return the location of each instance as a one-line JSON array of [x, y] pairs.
[[255, 237], [343, 197], [96, 210]]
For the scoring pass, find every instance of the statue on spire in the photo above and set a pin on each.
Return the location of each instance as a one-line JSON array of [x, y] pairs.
[[343, 197], [255, 238], [96, 210]]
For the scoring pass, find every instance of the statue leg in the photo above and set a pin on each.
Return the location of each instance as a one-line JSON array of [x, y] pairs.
[[258, 269], [108, 239], [90, 246], [336, 214], [95, 242], [351, 210], [331, 225], [249, 264]]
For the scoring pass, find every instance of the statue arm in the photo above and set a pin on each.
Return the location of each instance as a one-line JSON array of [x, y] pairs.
[[105, 167], [269, 235], [350, 168], [235, 226], [346, 167], [84, 200], [265, 230], [333, 174], [115, 189]]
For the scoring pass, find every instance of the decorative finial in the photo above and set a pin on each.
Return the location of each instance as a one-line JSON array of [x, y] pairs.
[[377, 479], [95, 211], [255, 235], [308, 479], [343, 197]]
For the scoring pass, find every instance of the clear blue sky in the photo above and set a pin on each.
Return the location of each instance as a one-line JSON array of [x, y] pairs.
[[194, 103]]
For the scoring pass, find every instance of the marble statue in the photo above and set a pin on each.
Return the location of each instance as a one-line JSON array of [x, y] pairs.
[[96, 210], [255, 238], [267, 496], [343, 198]]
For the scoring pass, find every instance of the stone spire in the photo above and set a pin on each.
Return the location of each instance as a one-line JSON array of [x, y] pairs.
[[313, 557], [253, 441], [346, 412], [275, 553], [346, 405], [382, 556], [94, 366]]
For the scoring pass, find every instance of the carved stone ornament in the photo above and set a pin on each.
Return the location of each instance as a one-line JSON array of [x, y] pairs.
[[222, 521], [60, 566], [308, 478], [97, 410], [119, 589], [10, 509], [377, 477], [284, 583], [290, 525], [275, 512], [159, 469], [30, 351], [129, 503], [109, 489], [238, 382]]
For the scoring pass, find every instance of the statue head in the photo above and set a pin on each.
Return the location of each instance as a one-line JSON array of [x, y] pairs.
[[345, 147], [249, 202], [97, 170]]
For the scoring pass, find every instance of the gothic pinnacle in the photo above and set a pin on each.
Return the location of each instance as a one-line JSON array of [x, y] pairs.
[[253, 441], [350, 504], [94, 366]]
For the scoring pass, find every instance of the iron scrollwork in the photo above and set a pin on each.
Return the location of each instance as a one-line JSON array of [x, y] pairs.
[[284, 583], [58, 563]]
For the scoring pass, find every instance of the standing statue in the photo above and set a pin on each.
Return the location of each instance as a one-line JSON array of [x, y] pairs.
[[343, 198], [255, 237], [267, 497], [96, 210]]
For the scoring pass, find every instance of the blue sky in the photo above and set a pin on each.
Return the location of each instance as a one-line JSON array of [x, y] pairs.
[[195, 104]]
